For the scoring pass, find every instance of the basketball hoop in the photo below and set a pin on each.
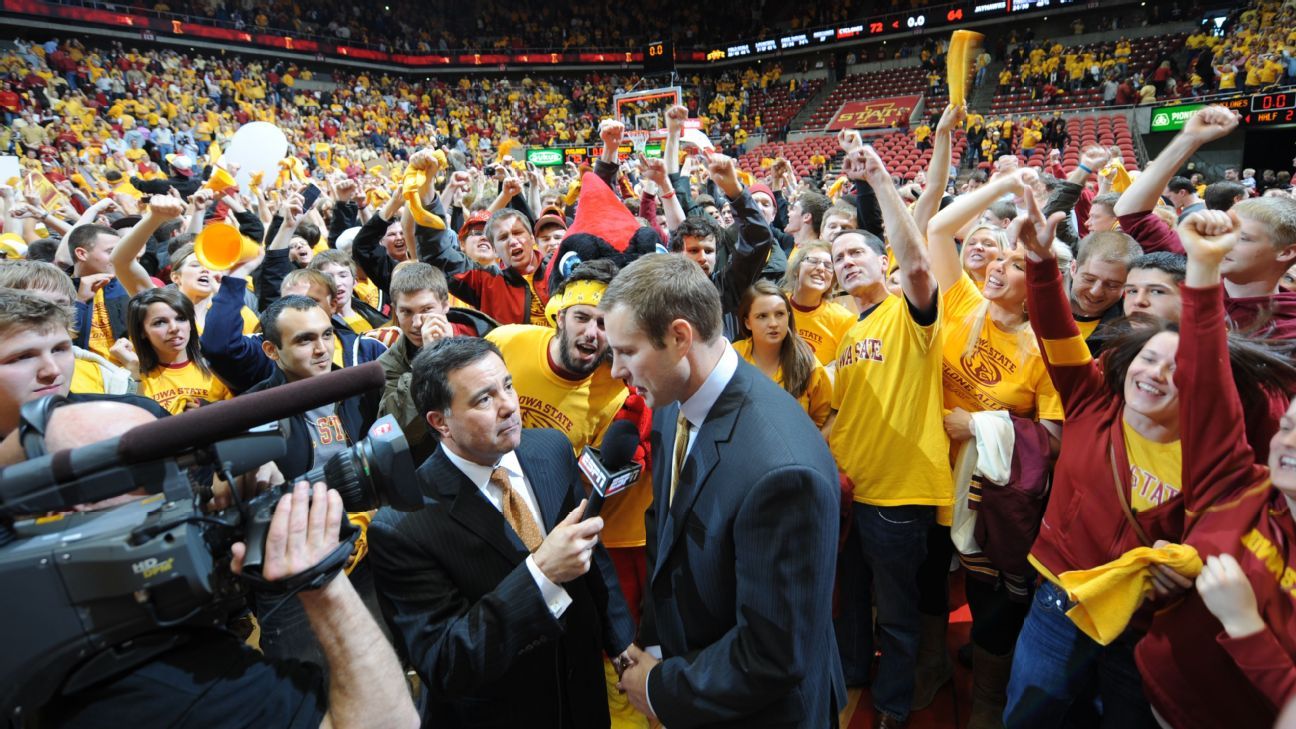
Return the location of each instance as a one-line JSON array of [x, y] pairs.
[[638, 137]]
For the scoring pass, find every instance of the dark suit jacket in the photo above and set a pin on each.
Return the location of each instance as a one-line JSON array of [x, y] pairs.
[[466, 613], [741, 567]]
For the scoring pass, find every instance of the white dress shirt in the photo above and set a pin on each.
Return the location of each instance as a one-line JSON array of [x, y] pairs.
[[555, 597]]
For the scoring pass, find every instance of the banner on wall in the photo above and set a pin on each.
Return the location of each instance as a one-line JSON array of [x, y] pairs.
[[874, 113]]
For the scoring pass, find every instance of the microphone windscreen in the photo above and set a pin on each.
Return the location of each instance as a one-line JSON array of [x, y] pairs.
[[220, 420], [619, 444]]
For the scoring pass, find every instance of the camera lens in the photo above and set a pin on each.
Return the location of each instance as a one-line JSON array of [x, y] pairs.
[[377, 471]]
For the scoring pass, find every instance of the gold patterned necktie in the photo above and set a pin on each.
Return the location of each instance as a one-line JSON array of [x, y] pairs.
[[516, 512], [681, 446]]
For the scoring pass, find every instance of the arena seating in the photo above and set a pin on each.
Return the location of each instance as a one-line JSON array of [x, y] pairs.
[[1143, 54], [798, 153], [896, 149], [776, 106], [891, 82]]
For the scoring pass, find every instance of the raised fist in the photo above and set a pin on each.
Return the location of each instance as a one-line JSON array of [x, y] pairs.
[[166, 207], [611, 131], [675, 117], [1210, 123]]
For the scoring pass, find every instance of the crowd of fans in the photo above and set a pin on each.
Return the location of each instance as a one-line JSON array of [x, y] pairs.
[[104, 104], [1076, 380], [1256, 51], [457, 25]]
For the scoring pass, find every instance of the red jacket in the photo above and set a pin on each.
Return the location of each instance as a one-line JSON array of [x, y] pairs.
[[1193, 672], [504, 295], [1084, 525]]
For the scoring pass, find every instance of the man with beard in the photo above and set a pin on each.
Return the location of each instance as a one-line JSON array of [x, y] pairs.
[[564, 381]]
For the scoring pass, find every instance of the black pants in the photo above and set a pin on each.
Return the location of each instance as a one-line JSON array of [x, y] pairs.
[[996, 619]]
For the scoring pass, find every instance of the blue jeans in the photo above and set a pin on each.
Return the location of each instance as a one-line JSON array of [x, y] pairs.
[[854, 622], [1056, 668], [893, 540]]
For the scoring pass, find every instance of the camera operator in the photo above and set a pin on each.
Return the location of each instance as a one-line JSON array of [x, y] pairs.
[[211, 678]]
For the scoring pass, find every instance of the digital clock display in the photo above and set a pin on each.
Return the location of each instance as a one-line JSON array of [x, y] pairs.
[[1276, 101]]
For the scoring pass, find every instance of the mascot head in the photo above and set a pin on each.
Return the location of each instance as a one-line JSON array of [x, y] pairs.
[[603, 229]]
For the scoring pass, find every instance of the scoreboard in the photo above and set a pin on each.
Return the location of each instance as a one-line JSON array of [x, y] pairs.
[[659, 57], [909, 22], [1273, 108]]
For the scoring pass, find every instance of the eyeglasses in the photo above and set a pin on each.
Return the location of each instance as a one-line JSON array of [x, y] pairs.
[[817, 263]]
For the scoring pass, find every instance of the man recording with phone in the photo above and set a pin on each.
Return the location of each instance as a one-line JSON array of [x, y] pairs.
[[209, 677]]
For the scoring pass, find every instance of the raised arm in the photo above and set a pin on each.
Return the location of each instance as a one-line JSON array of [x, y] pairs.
[[198, 211], [941, 245], [1217, 459], [124, 256], [1075, 375], [654, 170], [938, 169], [675, 117], [1207, 125], [906, 241]]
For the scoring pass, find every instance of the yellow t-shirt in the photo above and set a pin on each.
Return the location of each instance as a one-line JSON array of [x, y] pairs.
[[87, 379], [582, 410], [889, 437], [823, 328], [358, 323], [368, 292], [1004, 372], [175, 386], [817, 398], [1155, 470], [101, 334], [1087, 326]]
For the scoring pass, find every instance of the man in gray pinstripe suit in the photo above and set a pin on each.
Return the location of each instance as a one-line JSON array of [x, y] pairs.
[[499, 595]]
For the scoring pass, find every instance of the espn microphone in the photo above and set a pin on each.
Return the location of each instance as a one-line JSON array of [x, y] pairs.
[[611, 468]]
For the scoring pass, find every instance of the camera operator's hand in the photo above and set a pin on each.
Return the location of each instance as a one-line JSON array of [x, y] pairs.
[[249, 485], [303, 531], [565, 554]]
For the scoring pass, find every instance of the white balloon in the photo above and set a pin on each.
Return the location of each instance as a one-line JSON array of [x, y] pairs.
[[257, 147]]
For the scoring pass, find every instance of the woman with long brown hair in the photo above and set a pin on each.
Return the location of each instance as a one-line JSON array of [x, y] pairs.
[[773, 346], [171, 368], [809, 282]]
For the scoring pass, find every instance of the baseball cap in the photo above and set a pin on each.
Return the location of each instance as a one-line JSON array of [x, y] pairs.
[[549, 219], [478, 218]]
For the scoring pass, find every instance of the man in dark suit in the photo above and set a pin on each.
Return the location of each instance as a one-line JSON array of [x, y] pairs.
[[742, 533], [500, 596]]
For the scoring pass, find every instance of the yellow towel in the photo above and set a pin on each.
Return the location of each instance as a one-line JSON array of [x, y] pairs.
[[1115, 169], [410, 185], [1107, 596]]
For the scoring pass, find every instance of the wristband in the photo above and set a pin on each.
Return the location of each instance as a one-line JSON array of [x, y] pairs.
[[1086, 168], [667, 197]]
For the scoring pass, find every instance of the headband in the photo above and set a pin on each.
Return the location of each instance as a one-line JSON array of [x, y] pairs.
[[589, 293]]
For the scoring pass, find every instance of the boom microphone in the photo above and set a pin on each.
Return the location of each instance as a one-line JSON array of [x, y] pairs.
[[226, 418], [610, 469], [101, 470]]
